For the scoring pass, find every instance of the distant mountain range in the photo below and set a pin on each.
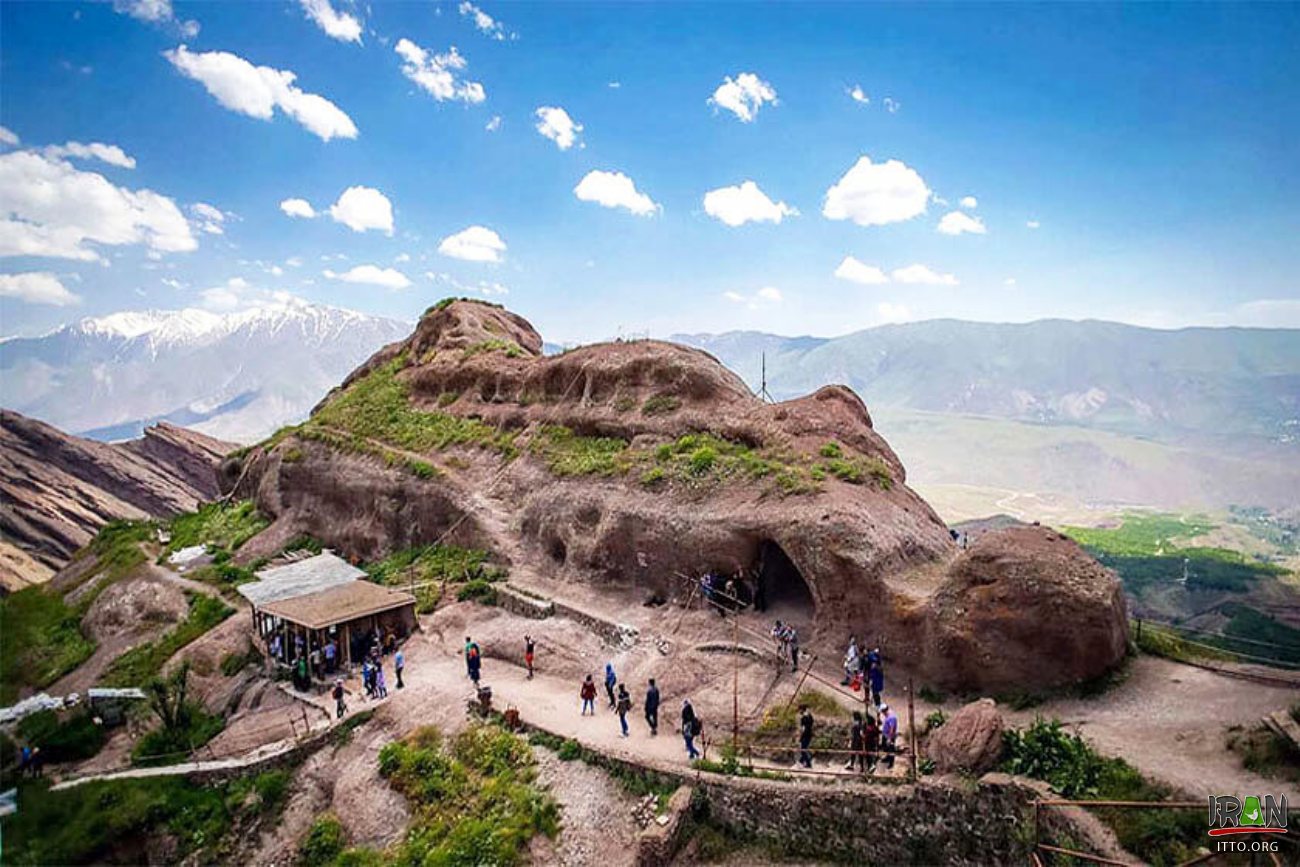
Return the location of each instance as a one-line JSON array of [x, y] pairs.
[[236, 376], [1193, 385]]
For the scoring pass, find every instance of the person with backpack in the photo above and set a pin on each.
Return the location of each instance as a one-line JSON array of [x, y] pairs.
[[652, 708], [691, 728], [805, 735], [850, 661], [624, 705], [588, 695], [611, 680], [469, 645], [340, 706], [475, 664], [529, 647]]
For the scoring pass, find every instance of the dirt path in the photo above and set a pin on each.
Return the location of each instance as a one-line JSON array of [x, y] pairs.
[[596, 816]]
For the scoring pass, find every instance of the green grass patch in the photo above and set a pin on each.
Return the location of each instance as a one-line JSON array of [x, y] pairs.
[[433, 563], [1141, 534], [323, 843], [107, 821], [40, 641], [170, 746], [495, 344], [478, 590], [378, 406], [1251, 626], [1045, 751], [62, 737], [475, 800], [660, 404], [141, 664], [568, 454], [217, 525]]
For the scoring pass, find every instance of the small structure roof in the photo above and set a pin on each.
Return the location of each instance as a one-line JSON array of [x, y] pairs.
[[338, 604], [304, 577]]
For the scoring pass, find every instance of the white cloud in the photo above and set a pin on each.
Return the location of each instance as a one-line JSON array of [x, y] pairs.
[[1265, 313], [743, 96], [969, 202], [922, 275], [402, 257], [482, 287], [337, 25], [372, 275], [210, 218], [874, 194], [436, 73], [892, 105], [157, 12], [614, 85], [764, 297], [858, 95], [8, 136], [483, 22], [36, 287], [958, 222], [258, 90], [362, 208], [298, 208], [294, 261], [746, 203], [890, 312], [859, 272], [475, 244], [615, 190], [50, 208], [1032, 224], [1010, 282], [111, 154], [228, 296], [494, 124], [555, 123]]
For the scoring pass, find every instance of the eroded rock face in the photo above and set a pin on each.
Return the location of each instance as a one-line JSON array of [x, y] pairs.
[[971, 741], [805, 489], [59, 489], [1026, 607]]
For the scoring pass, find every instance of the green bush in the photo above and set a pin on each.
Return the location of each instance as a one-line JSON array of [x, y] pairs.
[[569, 750], [660, 404], [478, 590], [323, 843], [69, 739], [652, 476], [702, 460], [170, 746], [831, 450], [568, 454], [1045, 751]]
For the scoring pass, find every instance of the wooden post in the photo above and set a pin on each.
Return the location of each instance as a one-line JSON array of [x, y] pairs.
[[798, 686], [735, 682], [347, 644], [911, 726]]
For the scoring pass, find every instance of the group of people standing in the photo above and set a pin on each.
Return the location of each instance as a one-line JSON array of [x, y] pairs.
[[864, 670], [372, 672], [620, 702], [787, 643], [869, 736]]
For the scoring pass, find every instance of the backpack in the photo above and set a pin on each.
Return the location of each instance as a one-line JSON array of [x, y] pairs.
[[697, 726]]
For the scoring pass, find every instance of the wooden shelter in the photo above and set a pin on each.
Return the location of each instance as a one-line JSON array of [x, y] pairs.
[[324, 609]]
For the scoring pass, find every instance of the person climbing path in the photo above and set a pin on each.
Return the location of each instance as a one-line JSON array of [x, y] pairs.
[[529, 648], [399, 663], [611, 680], [691, 728], [805, 735], [340, 706], [652, 707]]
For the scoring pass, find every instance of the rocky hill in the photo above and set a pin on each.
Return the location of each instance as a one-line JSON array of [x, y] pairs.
[[635, 465], [58, 490]]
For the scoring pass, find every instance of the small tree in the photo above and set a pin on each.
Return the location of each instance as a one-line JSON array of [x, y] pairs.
[[168, 697]]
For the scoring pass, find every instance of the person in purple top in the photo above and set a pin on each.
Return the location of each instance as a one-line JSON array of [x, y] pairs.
[[889, 734]]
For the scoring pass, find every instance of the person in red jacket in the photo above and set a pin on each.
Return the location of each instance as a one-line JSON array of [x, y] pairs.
[[588, 695]]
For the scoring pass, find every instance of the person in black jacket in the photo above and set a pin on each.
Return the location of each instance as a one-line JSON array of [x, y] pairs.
[[652, 707], [805, 735], [690, 728]]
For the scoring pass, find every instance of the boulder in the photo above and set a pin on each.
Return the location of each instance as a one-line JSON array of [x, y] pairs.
[[1025, 609], [971, 741]]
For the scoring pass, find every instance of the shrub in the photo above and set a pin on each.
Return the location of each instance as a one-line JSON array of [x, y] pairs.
[[660, 404], [934, 720], [478, 590], [652, 476], [702, 460], [568, 454], [422, 469], [1045, 751], [62, 740], [569, 750], [831, 450], [323, 842], [145, 661], [40, 640], [219, 525]]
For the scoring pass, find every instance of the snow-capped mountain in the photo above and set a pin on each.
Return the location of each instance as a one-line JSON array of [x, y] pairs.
[[237, 376]]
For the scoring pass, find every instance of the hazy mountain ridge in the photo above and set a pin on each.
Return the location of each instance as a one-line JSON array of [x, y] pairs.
[[237, 376], [1197, 384]]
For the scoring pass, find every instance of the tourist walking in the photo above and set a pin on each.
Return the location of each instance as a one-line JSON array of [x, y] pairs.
[[805, 735], [340, 706], [469, 645], [856, 743], [871, 740], [851, 661], [624, 705], [611, 680], [652, 708], [475, 662], [691, 727], [529, 648], [793, 642], [381, 688], [889, 735], [399, 663], [588, 694], [877, 677]]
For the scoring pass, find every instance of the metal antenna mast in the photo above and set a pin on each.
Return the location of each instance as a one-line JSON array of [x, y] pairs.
[[762, 390]]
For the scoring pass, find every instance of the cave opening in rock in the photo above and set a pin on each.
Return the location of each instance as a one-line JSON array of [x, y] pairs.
[[782, 586]]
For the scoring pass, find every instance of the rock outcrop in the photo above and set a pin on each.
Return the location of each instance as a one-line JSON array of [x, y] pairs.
[[629, 463], [971, 741], [1026, 606], [58, 490]]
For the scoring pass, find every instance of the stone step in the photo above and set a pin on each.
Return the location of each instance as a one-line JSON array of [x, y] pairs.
[[522, 603]]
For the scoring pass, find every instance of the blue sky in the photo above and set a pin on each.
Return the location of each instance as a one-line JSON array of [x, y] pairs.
[[1134, 162]]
